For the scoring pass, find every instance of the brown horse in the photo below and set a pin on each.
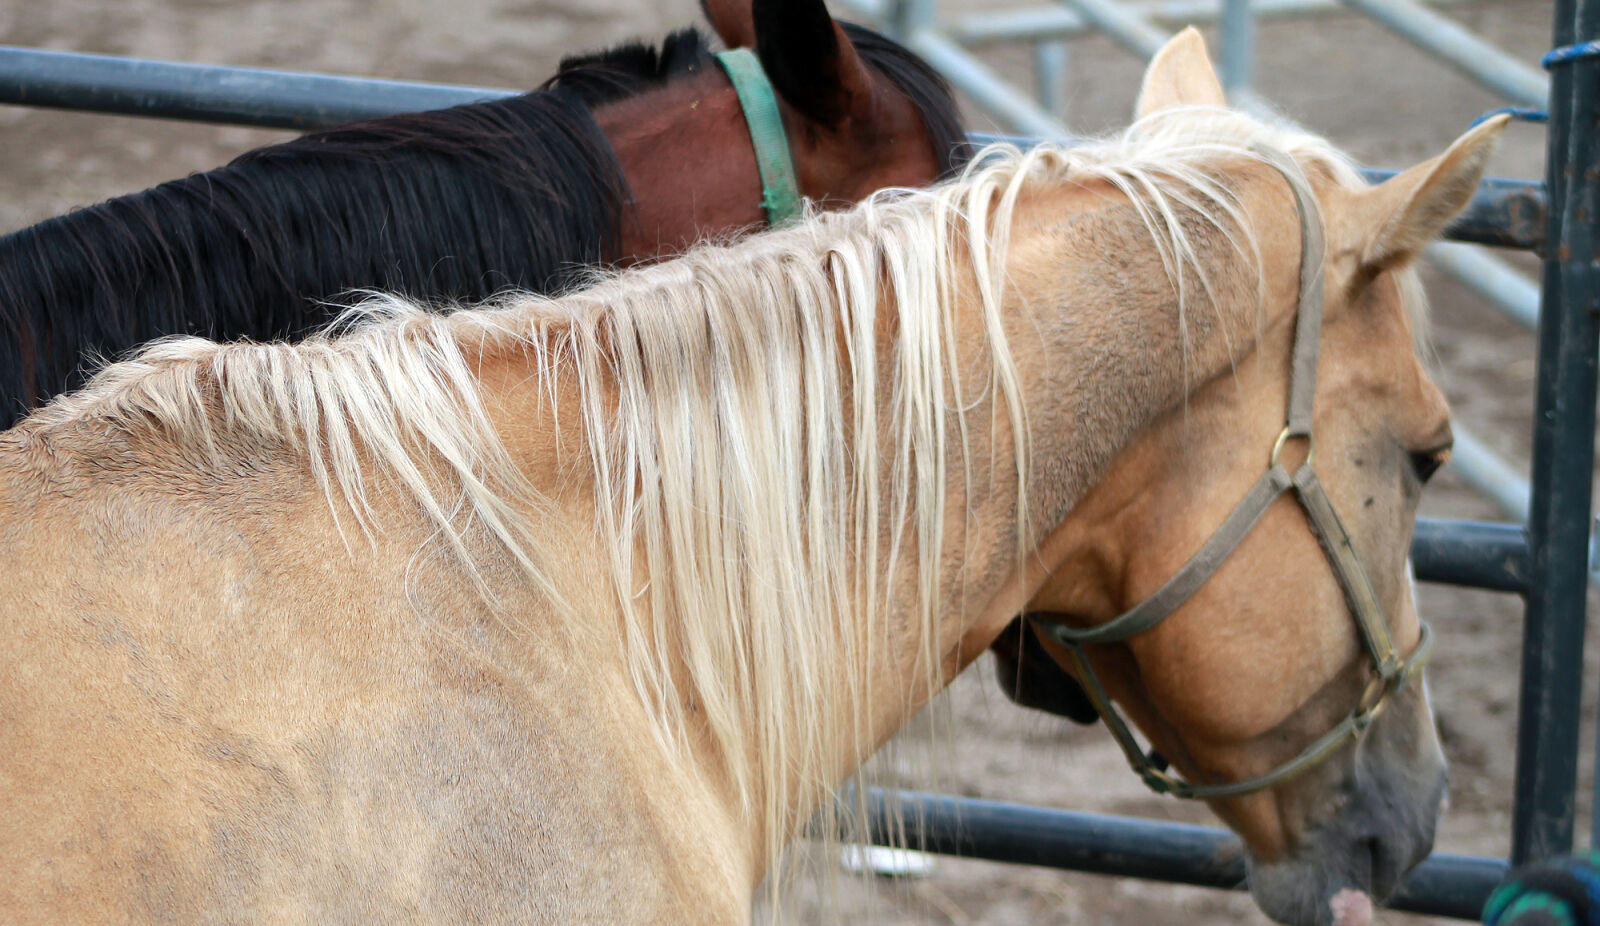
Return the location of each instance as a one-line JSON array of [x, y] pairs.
[[577, 610], [625, 155]]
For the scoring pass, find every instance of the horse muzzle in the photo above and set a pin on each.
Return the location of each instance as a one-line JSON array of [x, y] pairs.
[[1381, 826]]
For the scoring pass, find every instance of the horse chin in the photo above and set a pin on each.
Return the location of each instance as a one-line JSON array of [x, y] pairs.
[[1355, 859]]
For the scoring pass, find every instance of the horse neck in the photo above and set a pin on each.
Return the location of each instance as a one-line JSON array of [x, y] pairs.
[[689, 162], [888, 669], [1094, 330]]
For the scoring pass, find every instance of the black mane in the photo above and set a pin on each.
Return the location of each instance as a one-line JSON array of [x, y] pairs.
[[449, 205], [523, 190], [604, 77]]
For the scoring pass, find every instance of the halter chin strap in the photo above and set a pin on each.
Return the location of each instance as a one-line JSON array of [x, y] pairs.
[[780, 194], [1391, 672]]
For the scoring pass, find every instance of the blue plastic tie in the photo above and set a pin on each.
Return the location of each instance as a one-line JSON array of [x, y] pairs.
[[1564, 55], [1520, 113], [1569, 54]]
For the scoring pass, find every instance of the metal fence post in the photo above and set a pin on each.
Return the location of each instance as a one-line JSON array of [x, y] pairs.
[[1563, 455], [1238, 46], [1050, 76]]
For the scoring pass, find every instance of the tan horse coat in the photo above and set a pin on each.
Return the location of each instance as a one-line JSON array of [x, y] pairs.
[[396, 626]]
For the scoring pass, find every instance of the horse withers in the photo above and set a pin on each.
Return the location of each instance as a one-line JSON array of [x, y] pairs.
[[578, 609]]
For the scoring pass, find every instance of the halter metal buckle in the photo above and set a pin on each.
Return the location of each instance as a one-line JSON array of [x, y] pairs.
[[1159, 780]]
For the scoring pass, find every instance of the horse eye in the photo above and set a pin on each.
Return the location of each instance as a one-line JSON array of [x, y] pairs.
[[1426, 463]]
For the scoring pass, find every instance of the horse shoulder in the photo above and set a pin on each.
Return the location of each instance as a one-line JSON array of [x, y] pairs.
[[221, 706]]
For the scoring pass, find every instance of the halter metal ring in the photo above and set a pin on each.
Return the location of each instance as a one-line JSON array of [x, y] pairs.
[[1284, 437], [1373, 700]]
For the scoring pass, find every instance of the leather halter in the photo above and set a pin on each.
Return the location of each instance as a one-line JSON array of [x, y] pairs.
[[780, 194], [1391, 672]]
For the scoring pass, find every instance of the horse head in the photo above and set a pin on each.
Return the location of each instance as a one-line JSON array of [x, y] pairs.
[[1277, 666], [858, 113]]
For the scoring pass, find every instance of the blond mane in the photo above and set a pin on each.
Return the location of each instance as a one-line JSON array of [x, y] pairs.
[[724, 398]]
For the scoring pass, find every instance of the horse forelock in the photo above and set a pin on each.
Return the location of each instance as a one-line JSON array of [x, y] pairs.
[[1167, 165], [1185, 128], [769, 450]]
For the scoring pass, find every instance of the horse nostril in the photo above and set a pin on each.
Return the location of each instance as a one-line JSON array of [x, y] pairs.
[[1372, 846], [1386, 868]]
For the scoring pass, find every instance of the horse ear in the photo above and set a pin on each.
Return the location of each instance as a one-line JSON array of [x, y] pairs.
[[1180, 75], [732, 21], [1413, 207], [810, 61]]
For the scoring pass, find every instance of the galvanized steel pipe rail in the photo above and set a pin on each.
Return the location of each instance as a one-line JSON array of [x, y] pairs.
[[1443, 885], [1051, 23], [208, 93]]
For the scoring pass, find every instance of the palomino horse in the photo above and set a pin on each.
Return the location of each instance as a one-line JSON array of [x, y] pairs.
[[578, 609], [626, 155]]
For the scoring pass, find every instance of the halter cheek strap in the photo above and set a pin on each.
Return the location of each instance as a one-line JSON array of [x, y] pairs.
[[1391, 673], [780, 194]]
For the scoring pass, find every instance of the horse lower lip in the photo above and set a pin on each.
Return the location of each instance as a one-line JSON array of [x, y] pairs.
[[1350, 907]]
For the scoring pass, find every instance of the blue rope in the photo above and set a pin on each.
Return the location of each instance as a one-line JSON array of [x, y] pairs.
[[1520, 113], [1564, 55], [1569, 54]]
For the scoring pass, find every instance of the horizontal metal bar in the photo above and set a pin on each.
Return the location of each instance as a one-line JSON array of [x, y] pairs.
[[1511, 291], [1046, 23], [1459, 47], [1474, 554], [974, 78], [1122, 25], [1134, 27], [879, 10], [1490, 475], [1443, 885], [1505, 213], [208, 93]]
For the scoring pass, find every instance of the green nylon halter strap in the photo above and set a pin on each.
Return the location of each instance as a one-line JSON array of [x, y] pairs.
[[780, 194]]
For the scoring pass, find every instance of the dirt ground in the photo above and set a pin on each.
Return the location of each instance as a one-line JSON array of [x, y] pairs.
[[1383, 101]]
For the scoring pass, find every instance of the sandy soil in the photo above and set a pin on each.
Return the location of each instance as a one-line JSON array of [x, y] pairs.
[[1384, 102]]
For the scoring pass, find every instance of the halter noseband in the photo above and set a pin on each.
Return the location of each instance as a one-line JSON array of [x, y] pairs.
[[1392, 672], [780, 194]]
